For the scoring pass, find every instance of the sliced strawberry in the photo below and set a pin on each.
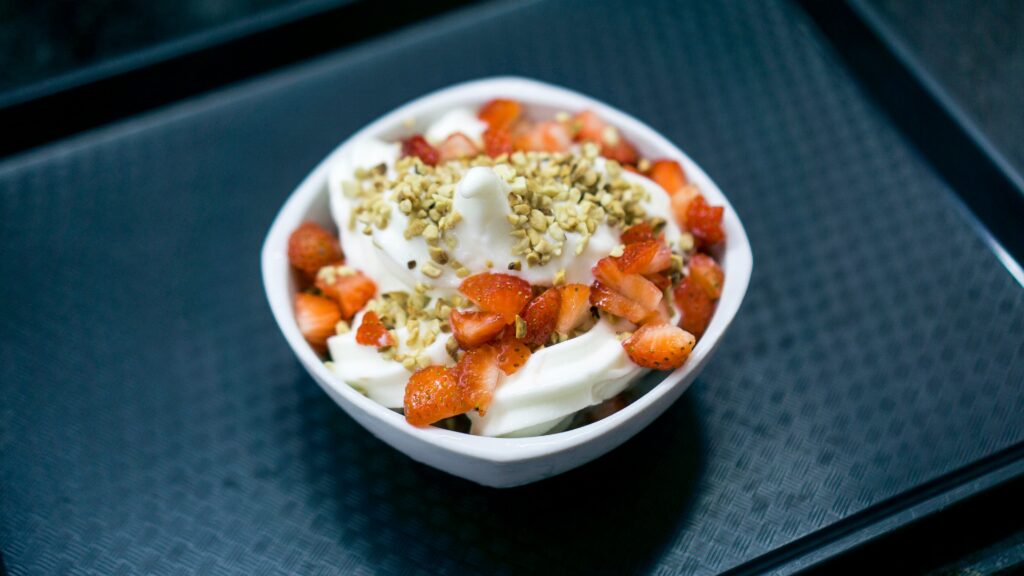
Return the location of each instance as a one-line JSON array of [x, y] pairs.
[[614, 303], [616, 147], [495, 292], [680, 203], [544, 137], [457, 146], [317, 317], [633, 286], [575, 308], [638, 233], [433, 394], [500, 113], [707, 274], [589, 126], [659, 346], [478, 376], [668, 174], [705, 222], [310, 248], [541, 315], [372, 332], [497, 141], [512, 353], [648, 257], [695, 306], [660, 315], [418, 146], [474, 328], [348, 287], [660, 280]]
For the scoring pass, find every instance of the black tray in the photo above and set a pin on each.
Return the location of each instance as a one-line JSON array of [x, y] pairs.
[[153, 420]]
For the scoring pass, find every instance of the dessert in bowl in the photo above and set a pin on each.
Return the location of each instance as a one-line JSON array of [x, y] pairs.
[[505, 279]]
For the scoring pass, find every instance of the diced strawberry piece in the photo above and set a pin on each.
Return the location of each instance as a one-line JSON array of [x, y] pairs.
[[668, 174], [310, 248], [478, 375], [541, 315], [497, 141], [646, 257], [500, 113], [633, 286], [659, 280], [575, 308], [660, 315], [544, 137], [418, 146], [496, 292], [474, 328], [512, 352], [348, 287], [695, 306], [457, 146], [659, 346], [589, 126], [317, 317], [616, 147], [372, 332], [705, 222], [707, 274], [433, 394], [614, 303], [638, 233], [680, 203]]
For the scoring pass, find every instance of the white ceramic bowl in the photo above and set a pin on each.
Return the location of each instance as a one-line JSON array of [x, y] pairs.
[[502, 462]]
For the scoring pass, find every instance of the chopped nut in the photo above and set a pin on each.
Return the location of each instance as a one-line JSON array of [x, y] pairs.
[[430, 270]]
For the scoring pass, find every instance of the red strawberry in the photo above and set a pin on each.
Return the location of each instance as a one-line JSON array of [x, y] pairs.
[[457, 146], [310, 248], [348, 287], [614, 303], [660, 315], [495, 292], [680, 203], [478, 375], [633, 286], [638, 233], [512, 353], [541, 315], [433, 394], [707, 274], [659, 280], [646, 257], [500, 113], [695, 305], [316, 316], [497, 141], [705, 222], [575, 308], [668, 174], [659, 346], [418, 146], [474, 328], [589, 126], [544, 137], [372, 332]]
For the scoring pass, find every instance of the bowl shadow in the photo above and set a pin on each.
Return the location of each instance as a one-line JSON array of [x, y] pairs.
[[614, 515]]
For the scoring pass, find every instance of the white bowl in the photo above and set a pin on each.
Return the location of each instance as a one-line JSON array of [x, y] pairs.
[[502, 462]]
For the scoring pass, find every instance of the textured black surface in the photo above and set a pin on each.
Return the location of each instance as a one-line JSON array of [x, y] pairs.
[[976, 51], [154, 421]]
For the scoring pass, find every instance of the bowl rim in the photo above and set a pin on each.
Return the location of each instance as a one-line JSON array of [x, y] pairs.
[[737, 263]]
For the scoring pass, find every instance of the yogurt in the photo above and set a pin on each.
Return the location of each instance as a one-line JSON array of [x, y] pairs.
[[558, 380]]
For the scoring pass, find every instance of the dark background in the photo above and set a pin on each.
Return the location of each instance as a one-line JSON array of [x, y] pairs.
[[973, 51]]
